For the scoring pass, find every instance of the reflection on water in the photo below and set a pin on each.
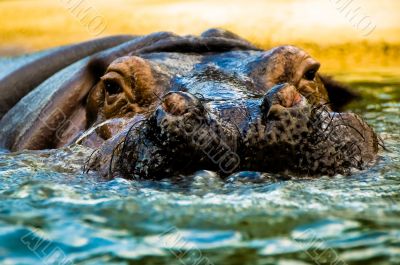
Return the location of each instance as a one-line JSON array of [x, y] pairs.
[[51, 213]]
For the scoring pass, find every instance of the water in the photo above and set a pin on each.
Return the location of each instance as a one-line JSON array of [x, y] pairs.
[[51, 213]]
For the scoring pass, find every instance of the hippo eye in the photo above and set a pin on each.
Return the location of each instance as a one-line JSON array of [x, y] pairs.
[[112, 87], [310, 74]]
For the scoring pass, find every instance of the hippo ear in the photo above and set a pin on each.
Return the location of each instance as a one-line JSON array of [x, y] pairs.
[[222, 33], [339, 94]]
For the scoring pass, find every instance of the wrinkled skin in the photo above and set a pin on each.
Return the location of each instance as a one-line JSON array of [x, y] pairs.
[[166, 113]]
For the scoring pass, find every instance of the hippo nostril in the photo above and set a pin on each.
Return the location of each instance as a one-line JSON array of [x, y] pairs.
[[274, 112], [269, 97], [278, 98], [174, 104], [283, 94], [178, 103]]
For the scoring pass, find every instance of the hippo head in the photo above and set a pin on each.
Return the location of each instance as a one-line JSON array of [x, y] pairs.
[[165, 112]]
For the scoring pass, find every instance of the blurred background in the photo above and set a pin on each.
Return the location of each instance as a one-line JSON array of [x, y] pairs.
[[341, 34]]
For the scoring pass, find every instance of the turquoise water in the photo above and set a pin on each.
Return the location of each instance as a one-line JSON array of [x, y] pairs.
[[51, 213]]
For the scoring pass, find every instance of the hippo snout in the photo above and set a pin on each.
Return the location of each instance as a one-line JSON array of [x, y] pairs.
[[295, 135], [286, 134]]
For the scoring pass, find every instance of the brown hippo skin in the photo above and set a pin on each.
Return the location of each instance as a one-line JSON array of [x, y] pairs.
[[161, 105]]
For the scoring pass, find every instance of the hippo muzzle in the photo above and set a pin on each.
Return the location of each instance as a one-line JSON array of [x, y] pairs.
[[280, 132], [296, 136]]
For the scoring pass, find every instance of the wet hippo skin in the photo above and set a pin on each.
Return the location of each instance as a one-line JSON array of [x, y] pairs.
[[164, 104]]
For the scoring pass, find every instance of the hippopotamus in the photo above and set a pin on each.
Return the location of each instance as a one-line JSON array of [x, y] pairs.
[[161, 105]]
